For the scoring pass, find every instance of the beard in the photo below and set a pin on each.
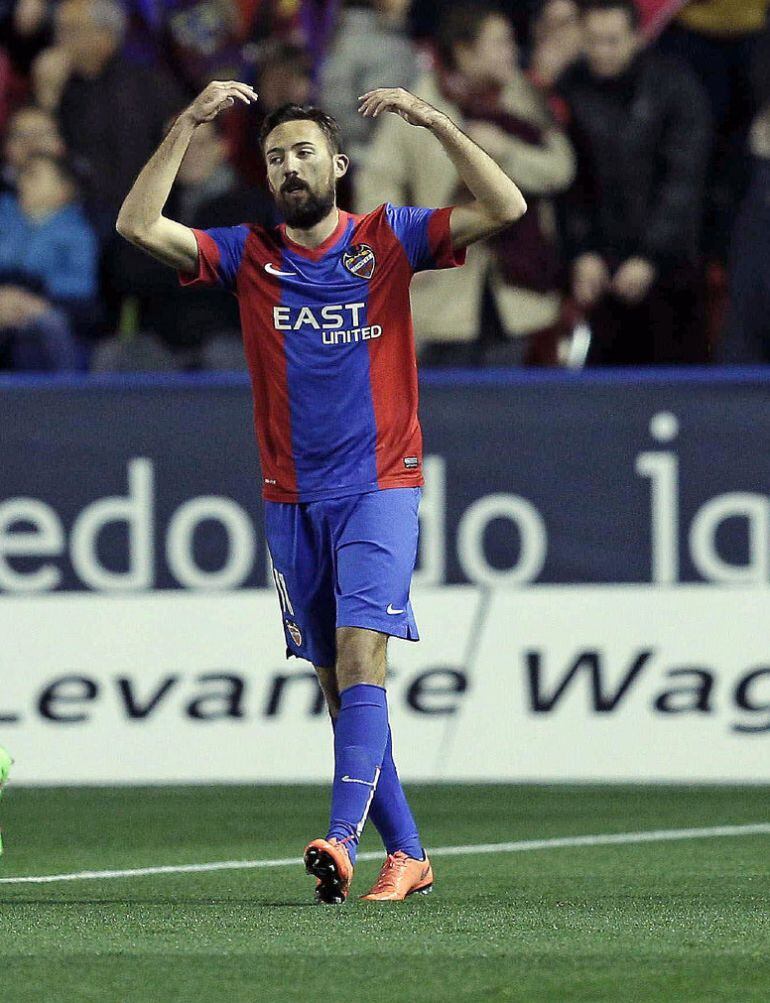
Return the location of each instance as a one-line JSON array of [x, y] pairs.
[[304, 213]]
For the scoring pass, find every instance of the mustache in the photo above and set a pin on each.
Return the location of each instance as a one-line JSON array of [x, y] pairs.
[[294, 184]]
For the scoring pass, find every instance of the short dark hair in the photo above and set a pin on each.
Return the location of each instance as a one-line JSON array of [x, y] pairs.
[[302, 113], [461, 24], [629, 7]]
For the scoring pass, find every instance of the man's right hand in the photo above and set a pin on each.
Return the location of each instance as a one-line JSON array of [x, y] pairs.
[[217, 96], [590, 279]]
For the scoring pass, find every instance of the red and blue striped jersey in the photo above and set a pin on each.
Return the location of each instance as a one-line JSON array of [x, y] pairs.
[[329, 344]]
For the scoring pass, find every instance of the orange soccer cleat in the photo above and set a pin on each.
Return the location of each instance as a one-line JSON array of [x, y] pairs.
[[401, 876], [328, 860]]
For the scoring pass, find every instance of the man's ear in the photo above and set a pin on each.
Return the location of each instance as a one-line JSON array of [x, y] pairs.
[[341, 164]]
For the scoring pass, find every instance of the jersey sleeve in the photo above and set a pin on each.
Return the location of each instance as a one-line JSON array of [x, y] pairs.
[[220, 251], [425, 236]]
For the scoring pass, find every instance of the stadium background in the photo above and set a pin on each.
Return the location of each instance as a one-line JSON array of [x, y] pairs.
[[592, 586]]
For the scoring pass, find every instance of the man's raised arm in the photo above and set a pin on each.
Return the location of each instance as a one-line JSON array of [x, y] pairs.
[[498, 201], [141, 220]]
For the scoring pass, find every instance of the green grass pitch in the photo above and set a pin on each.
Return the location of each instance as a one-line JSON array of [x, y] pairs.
[[667, 921]]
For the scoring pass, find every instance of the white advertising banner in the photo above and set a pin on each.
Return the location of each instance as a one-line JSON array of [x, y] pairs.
[[547, 683]]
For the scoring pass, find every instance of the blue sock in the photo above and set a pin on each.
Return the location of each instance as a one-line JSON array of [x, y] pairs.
[[390, 812], [360, 737]]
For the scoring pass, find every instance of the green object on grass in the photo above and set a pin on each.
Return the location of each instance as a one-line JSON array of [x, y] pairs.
[[5, 765], [5, 769]]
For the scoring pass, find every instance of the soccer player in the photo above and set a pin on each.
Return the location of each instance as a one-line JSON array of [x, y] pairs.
[[327, 329]]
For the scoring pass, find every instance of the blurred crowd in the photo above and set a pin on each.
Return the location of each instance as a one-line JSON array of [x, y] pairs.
[[639, 133]]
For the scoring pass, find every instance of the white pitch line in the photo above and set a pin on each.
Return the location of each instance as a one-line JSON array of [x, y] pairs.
[[520, 846]]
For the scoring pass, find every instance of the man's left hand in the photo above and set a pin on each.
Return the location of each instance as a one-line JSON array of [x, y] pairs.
[[401, 102], [633, 280]]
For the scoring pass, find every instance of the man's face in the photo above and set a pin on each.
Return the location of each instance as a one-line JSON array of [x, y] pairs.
[[492, 58], [559, 22], [611, 42], [31, 131], [42, 189], [87, 44], [302, 172]]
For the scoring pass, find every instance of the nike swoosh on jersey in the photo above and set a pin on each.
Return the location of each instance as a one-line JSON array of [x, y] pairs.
[[392, 611], [272, 270], [352, 780]]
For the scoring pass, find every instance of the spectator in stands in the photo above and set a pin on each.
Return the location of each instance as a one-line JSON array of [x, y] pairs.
[[191, 328], [6, 78], [284, 77], [47, 267], [426, 15], [112, 113], [277, 20], [509, 286], [557, 41], [370, 49], [208, 192], [201, 40], [30, 130], [747, 338], [26, 29], [641, 128], [717, 39]]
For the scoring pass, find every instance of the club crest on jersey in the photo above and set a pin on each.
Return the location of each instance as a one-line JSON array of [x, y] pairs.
[[294, 632], [360, 261]]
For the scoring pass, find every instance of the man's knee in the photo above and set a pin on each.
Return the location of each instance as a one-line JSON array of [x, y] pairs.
[[361, 657]]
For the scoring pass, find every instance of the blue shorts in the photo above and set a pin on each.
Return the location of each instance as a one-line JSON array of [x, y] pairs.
[[343, 562]]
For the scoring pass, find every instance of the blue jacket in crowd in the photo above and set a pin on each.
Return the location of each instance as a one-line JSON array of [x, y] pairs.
[[56, 255]]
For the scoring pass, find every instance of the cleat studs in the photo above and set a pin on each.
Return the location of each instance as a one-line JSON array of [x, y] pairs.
[[330, 888], [322, 867]]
